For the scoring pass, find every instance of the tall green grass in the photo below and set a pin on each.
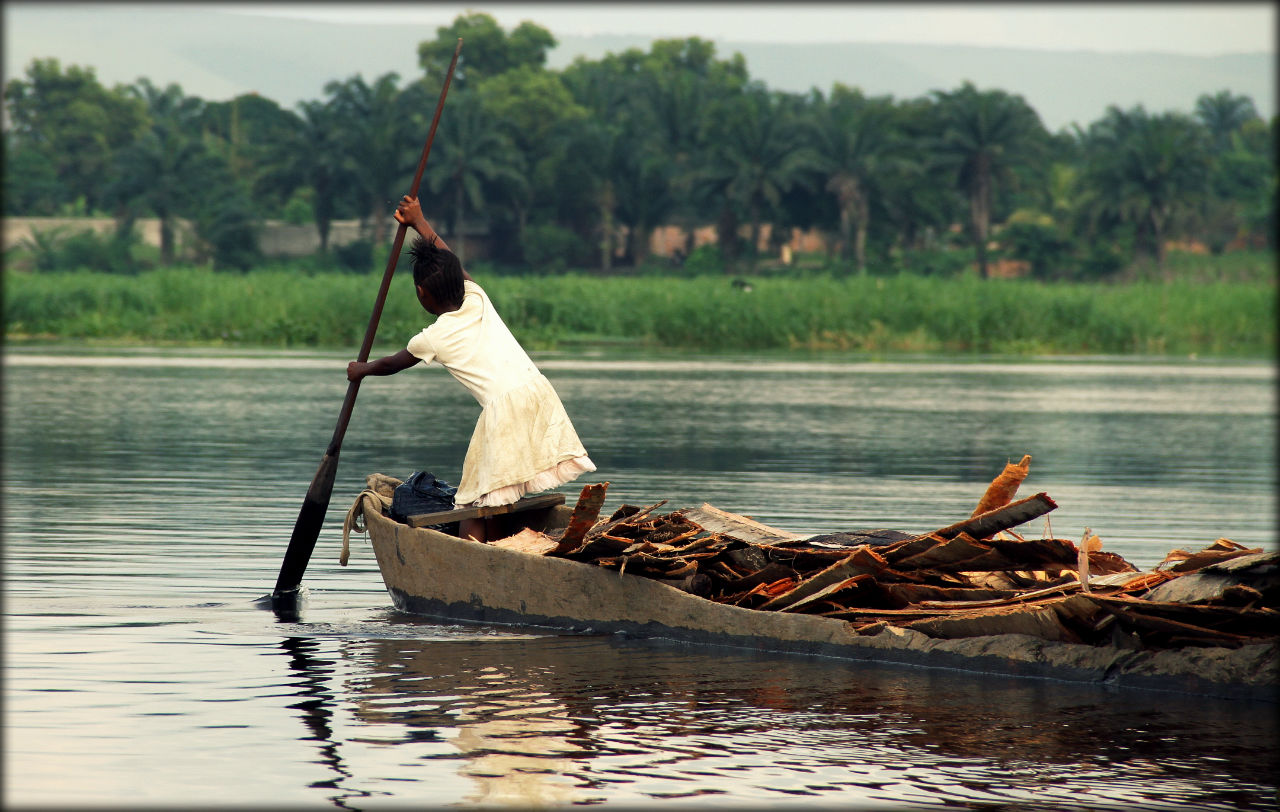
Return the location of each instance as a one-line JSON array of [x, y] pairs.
[[889, 314]]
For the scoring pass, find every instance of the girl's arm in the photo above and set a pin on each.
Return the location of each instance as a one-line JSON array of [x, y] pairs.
[[387, 365], [409, 212]]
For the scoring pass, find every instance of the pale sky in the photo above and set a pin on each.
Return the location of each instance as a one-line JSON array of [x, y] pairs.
[[1202, 29]]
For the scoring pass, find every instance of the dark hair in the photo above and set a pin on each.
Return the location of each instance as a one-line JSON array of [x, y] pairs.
[[437, 271]]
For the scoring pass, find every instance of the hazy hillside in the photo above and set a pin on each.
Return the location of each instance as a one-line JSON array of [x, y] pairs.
[[215, 55], [1063, 87]]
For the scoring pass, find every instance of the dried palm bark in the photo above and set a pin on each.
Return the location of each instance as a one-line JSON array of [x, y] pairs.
[[1001, 490], [962, 580]]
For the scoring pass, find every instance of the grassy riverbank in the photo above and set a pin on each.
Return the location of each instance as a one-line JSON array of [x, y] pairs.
[[890, 314]]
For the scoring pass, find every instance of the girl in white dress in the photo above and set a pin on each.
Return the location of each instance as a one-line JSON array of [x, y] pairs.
[[523, 441]]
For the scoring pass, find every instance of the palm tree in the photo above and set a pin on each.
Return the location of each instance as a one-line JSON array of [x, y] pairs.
[[1145, 171], [598, 148], [637, 136], [640, 182], [983, 136], [599, 144], [380, 127], [676, 109], [1224, 114], [1240, 168], [756, 158], [537, 112], [159, 172], [469, 156], [169, 104], [162, 170], [857, 147], [674, 113], [314, 154], [914, 197]]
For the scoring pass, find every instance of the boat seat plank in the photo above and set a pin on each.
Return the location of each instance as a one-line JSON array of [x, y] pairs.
[[535, 502]]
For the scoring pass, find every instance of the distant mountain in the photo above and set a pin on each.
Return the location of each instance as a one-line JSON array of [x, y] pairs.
[[1064, 87], [215, 55]]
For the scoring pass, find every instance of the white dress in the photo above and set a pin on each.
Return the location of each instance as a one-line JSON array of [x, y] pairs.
[[524, 441]]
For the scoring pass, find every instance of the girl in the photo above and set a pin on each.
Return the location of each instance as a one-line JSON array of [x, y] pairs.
[[523, 440]]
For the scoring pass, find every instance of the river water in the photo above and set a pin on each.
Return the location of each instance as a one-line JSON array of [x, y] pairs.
[[149, 496]]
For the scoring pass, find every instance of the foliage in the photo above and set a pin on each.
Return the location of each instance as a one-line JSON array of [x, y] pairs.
[[43, 245], [934, 262], [604, 151], [756, 159], [1037, 240], [1240, 204], [228, 230], [378, 138], [356, 255], [312, 156], [984, 138], [164, 173], [67, 250], [112, 253], [30, 180], [535, 111], [550, 247], [1099, 260], [472, 164], [1223, 115], [299, 210], [489, 50], [1145, 172], [704, 259], [244, 132], [72, 122], [857, 153]]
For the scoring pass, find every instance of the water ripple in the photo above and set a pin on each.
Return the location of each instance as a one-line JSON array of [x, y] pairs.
[[146, 514]]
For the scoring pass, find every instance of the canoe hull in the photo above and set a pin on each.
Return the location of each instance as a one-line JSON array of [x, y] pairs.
[[433, 574]]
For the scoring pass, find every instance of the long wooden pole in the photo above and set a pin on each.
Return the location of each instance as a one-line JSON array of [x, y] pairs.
[[310, 518]]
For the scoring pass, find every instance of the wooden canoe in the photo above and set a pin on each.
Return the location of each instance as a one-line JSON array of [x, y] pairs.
[[434, 574]]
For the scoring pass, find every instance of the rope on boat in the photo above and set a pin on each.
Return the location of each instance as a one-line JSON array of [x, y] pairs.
[[380, 487]]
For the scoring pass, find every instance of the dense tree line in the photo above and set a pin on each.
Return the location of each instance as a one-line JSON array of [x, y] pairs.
[[557, 164]]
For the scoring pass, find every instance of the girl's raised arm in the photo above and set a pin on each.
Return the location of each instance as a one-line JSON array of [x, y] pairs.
[[409, 212]]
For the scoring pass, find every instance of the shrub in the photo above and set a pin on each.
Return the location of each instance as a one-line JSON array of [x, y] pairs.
[[298, 210], [1038, 243], [942, 263], [98, 252], [1099, 261], [704, 259], [228, 229], [554, 248], [44, 246], [355, 256], [55, 250]]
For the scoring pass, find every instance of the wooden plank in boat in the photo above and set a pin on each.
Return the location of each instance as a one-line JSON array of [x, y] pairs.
[[541, 500], [743, 528]]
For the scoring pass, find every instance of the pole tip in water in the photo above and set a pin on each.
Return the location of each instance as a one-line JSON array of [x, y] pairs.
[[284, 603]]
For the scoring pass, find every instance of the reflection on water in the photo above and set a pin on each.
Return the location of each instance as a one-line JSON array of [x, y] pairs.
[[546, 721], [148, 499], [316, 708]]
